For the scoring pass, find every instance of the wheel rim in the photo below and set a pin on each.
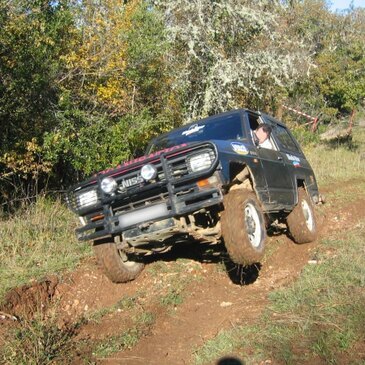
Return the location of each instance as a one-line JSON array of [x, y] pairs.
[[253, 225], [125, 260], [308, 215]]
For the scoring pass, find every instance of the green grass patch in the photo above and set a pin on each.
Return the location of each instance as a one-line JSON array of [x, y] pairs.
[[321, 315], [348, 195], [124, 304], [173, 297], [38, 241], [126, 339], [174, 286]]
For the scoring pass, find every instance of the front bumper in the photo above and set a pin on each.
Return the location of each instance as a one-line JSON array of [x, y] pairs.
[[173, 207]]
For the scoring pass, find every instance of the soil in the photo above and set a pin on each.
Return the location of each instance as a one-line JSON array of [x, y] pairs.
[[211, 299]]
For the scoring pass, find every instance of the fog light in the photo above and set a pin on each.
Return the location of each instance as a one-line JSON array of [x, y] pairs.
[[148, 172], [108, 185]]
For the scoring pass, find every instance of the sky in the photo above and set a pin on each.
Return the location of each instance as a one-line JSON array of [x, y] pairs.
[[344, 4]]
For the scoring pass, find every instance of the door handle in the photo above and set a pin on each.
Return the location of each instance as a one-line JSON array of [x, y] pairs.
[[280, 158]]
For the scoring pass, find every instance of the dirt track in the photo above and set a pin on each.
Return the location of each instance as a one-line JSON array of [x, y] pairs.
[[211, 299]]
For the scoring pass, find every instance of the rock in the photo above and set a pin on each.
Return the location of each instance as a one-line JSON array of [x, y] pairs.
[[226, 304], [336, 133]]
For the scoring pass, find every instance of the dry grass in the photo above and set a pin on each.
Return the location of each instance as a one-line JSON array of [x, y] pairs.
[[38, 241], [339, 162]]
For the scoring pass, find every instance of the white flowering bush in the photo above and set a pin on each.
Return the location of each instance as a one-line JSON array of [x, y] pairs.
[[230, 53]]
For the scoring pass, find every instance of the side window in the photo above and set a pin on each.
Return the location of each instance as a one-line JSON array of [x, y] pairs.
[[285, 139], [254, 122]]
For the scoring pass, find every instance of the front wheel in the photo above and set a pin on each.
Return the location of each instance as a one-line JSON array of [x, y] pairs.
[[243, 227], [301, 221], [115, 263]]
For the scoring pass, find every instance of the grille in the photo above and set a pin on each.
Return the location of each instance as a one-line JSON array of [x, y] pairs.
[[177, 169], [140, 200], [133, 192], [132, 179]]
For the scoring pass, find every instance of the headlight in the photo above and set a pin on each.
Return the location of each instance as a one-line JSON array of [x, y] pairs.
[[88, 198], [148, 172], [108, 185], [200, 162]]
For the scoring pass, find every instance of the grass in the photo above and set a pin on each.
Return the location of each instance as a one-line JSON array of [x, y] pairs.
[[124, 304], [171, 280], [142, 323], [42, 339], [36, 242], [173, 297], [39, 340], [321, 316], [339, 163]]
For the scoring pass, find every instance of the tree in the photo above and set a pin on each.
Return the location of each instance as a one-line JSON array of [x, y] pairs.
[[34, 37], [116, 92], [229, 53], [336, 43], [340, 75]]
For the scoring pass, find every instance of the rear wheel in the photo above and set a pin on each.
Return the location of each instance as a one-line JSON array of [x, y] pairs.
[[301, 221], [115, 263], [243, 227]]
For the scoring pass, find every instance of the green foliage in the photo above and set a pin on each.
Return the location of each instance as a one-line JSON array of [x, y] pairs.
[[341, 75], [146, 69], [33, 37], [89, 144], [335, 80], [89, 138], [305, 136]]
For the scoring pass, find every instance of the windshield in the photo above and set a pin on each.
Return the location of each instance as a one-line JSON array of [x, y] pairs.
[[224, 128]]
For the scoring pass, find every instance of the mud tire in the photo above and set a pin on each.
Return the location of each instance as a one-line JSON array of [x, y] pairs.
[[115, 264], [301, 221], [243, 227]]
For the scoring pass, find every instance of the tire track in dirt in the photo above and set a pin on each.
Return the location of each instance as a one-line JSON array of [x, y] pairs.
[[216, 303]]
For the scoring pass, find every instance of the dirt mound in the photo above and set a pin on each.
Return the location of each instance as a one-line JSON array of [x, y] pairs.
[[24, 301]]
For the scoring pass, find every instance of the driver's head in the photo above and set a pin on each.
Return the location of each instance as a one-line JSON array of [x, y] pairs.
[[263, 132]]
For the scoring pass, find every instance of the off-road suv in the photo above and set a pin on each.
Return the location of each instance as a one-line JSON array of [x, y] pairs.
[[207, 181]]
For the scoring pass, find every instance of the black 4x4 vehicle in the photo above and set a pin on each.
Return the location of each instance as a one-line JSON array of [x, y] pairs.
[[205, 181]]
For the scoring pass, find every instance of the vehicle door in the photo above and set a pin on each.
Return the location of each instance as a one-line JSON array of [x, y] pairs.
[[275, 170], [298, 167]]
